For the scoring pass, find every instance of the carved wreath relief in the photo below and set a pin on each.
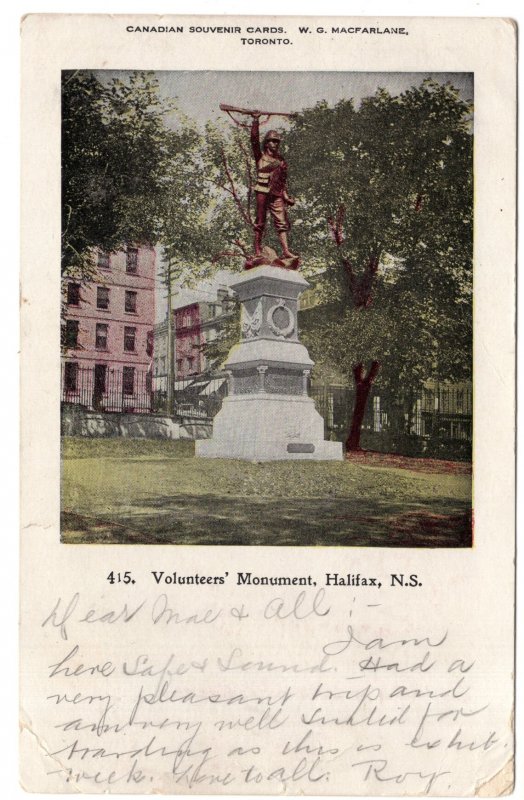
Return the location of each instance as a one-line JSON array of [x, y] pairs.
[[281, 320]]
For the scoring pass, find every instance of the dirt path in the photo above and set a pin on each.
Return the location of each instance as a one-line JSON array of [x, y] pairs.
[[435, 466]]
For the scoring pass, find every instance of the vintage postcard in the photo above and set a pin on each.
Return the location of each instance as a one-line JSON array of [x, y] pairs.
[[268, 327]]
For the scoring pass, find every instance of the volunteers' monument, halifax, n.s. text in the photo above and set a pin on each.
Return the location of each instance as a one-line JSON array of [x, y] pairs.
[[268, 415]]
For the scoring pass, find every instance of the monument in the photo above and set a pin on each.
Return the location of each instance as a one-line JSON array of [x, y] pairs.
[[268, 414]]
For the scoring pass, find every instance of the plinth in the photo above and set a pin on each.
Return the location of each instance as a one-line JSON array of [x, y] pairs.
[[268, 415]]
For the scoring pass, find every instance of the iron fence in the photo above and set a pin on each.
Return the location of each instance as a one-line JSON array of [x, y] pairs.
[[436, 419], [129, 390], [103, 388], [440, 412]]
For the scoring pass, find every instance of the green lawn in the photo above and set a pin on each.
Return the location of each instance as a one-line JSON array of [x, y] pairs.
[[157, 492]]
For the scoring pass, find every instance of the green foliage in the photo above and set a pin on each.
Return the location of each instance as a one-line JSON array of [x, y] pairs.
[[230, 175], [127, 176], [401, 167]]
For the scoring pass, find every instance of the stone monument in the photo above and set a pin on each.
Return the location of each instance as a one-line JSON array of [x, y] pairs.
[[268, 415]]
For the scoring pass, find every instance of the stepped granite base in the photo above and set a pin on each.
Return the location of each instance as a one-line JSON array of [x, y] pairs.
[[268, 415]]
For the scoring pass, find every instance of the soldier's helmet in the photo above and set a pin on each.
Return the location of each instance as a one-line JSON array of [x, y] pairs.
[[272, 135]]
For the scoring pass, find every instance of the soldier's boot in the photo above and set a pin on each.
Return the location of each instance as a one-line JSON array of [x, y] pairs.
[[286, 252]]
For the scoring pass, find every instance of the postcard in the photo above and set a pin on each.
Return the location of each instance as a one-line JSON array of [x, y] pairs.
[[268, 288]]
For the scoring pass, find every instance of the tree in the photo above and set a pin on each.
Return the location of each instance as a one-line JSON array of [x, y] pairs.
[[230, 177], [126, 159], [131, 173], [387, 196]]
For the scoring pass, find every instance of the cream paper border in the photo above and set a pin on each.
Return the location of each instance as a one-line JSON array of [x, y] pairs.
[[460, 583]]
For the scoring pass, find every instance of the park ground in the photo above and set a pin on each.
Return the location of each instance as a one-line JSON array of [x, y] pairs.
[[132, 491]]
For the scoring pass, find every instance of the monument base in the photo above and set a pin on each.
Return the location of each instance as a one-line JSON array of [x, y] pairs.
[[268, 427]]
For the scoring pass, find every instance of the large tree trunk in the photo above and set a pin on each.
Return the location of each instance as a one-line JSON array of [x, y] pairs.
[[363, 385]]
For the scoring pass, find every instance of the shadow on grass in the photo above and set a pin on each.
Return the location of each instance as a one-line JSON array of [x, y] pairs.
[[216, 520]]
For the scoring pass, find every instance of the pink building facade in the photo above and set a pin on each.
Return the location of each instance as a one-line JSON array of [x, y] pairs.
[[189, 341], [108, 334]]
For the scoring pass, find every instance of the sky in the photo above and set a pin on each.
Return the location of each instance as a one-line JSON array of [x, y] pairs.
[[199, 94]]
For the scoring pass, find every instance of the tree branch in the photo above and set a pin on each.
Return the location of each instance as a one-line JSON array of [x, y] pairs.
[[360, 290], [249, 176], [226, 254], [239, 243], [361, 379], [245, 216], [218, 184], [69, 214]]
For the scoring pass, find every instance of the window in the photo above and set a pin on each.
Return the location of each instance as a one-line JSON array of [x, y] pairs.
[[73, 294], [150, 343], [99, 387], [102, 297], [71, 333], [128, 380], [100, 378], [187, 319], [130, 303], [129, 339], [70, 376], [104, 260], [101, 336], [132, 259]]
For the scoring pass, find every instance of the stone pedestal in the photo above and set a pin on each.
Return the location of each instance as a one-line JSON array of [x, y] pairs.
[[267, 415]]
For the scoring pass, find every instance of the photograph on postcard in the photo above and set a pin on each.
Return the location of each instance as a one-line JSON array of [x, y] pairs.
[[267, 307]]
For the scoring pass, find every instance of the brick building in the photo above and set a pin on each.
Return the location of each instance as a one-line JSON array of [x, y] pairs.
[[198, 316], [108, 333]]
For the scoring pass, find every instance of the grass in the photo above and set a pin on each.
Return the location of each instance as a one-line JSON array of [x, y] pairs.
[[157, 492]]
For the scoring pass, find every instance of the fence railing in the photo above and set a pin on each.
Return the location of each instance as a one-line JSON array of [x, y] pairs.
[[441, 412], [102, 388], [438, 414], [128, 390]]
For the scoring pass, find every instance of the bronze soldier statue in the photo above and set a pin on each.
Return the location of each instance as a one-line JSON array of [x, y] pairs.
[[270, 188]]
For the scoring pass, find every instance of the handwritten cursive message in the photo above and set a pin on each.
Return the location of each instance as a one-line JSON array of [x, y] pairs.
[[299, 692]]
